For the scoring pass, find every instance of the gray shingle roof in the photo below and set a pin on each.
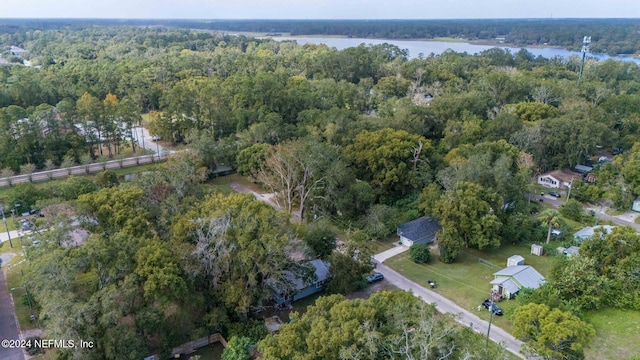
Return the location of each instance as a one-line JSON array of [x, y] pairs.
[[524, 275], [423, 229]]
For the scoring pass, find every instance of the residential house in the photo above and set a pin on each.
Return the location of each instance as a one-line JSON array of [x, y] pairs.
[[511, 279], [583, 169], [588, 232], [419, 231], [17, 51], [558, 179], [303, 287]]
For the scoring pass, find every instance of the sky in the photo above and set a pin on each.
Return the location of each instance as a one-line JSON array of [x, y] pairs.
[[320, 9]]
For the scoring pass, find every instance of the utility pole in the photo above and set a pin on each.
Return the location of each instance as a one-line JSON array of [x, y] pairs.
[[570, 186], [585, 49], [486, 345], [5, 225]]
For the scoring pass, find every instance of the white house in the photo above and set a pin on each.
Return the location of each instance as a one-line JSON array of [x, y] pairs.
[[558, 179]]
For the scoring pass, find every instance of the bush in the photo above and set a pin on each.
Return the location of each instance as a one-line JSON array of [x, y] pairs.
[[420, 253], [572, 209], [321, 239]]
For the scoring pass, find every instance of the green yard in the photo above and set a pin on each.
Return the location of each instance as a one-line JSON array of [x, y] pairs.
[[13, 272], [617, 334], [467, 280]]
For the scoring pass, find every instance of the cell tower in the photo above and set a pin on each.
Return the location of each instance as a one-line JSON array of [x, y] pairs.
[[585, 49]]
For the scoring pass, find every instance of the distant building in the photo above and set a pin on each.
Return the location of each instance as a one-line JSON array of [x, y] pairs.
[[583, 169], [558, 179], [419, 231], [17, 51], [636, 204]]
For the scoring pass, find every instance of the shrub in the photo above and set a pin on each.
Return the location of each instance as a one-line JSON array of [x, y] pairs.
[[573, 210], [420, 253]]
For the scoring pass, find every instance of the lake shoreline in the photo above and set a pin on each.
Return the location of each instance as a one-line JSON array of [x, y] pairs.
[[489, 43]]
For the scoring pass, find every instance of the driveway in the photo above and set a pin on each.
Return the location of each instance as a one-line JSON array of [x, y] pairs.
[[15, 237], [445, 305], [268, 198], [8, 324], [383, 256]]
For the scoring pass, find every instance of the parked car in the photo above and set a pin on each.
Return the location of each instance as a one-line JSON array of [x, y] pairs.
[[492, 307], [375, 277], [26, 225], [155, 138], [555, 194]]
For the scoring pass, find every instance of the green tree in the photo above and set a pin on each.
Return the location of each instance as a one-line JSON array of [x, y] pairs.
[[321, 239], [549, 218], [573, 210], [235, 247], [551, 333], [107, 178], [376, 328], [392, 161], [237, 349], [467, 217]]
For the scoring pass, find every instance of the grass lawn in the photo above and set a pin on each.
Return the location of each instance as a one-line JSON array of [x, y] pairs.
[[617, 334], [15, 285], [466, 281]]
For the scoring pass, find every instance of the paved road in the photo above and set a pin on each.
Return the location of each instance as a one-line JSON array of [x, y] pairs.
[[8, 325], [15, 237], [445, 305], [600, 215]]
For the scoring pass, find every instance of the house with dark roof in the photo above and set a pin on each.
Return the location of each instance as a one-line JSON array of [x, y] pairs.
[[301, 287], [510, 280], [419, 231]]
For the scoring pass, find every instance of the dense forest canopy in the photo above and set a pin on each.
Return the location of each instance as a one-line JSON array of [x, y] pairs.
[[363, 139], [610, 36]]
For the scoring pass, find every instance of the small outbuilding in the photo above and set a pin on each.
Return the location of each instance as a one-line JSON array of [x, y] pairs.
[[537, 250], [571, 251], [515, 260], [583, 169], [636, 204], [419, 231]]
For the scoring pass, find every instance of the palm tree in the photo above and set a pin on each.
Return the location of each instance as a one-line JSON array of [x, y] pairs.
[[550, 218]]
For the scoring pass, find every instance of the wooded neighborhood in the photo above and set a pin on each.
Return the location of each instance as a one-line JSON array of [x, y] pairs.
[[336, 157]]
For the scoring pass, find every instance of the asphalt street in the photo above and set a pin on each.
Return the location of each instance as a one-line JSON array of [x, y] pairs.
[[602, 216], [8, 325]]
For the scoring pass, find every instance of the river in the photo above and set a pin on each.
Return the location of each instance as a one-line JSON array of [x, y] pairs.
[[417, 47]]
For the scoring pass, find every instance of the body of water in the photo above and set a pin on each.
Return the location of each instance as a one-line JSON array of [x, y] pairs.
[[425, 48]]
